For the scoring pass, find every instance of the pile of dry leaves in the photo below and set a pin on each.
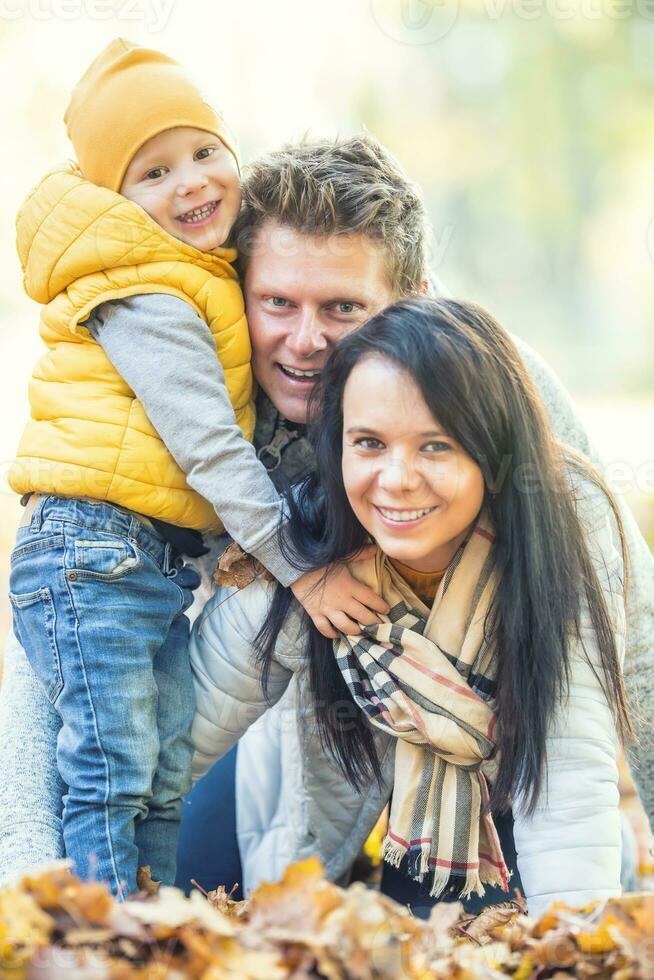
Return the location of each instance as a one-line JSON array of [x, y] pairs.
[[53, 926]]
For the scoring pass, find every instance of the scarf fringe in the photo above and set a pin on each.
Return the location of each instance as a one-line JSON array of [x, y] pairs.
[[473, 884], [392, 852], [440, 880], [493, 879], [418, 867]]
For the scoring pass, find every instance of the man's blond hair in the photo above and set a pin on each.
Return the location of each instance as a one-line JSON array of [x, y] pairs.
[[343, 187]]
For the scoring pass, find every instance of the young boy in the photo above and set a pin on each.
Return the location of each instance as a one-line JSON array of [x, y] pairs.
[[133, 449]]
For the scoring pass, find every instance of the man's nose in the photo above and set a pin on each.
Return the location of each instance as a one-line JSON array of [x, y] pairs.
[[308, 338]]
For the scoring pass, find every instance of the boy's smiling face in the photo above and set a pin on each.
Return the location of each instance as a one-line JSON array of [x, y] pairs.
[[188, 182]]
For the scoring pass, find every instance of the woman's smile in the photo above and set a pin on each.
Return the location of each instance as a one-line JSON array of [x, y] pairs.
[[403, 519]]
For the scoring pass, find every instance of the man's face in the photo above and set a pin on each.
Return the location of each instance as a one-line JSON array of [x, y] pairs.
[[302, 294]]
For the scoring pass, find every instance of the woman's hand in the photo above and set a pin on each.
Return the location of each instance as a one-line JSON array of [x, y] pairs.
[[337, 602]]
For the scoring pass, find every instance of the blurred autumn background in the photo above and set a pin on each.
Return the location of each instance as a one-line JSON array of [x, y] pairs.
[[528, 125]]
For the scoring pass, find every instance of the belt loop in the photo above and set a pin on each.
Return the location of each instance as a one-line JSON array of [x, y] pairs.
[[167, 562], [134, 527], [37, 516]]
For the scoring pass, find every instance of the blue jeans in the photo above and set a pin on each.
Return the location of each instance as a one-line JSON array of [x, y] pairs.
[[98, 602], [210, 809], [208, 847]]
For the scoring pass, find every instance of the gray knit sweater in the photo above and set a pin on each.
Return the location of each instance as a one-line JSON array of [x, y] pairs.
[[30, 804]]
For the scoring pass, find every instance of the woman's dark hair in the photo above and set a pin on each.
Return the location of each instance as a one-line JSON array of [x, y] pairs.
[[477, 388]]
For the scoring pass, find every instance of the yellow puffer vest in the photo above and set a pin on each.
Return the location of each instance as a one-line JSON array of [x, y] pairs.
[[81, 245]]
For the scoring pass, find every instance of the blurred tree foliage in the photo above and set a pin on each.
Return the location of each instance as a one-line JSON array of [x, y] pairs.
[[532, 136]]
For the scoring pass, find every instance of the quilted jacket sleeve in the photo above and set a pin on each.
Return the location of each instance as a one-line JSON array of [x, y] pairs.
[[228, 688], [31, 798], [569, 849], [639, 656], [199, 428]]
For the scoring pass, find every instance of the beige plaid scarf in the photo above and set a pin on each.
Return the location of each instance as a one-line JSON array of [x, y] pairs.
[[427, 678]]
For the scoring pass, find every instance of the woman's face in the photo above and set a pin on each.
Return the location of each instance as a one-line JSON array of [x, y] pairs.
[[412, 486]]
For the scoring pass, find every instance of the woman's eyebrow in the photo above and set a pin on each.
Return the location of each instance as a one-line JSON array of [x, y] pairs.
[[373, 432]]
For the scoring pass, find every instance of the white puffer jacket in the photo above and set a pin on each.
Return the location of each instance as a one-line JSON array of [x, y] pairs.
[[569, 849]]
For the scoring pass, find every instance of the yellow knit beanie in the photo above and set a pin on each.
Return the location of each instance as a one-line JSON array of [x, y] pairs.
[[128, 95]]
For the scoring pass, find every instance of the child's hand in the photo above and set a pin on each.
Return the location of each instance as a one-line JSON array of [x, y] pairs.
[[337, 602]]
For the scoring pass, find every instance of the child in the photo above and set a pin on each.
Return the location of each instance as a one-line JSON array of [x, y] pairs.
[[133, 448]]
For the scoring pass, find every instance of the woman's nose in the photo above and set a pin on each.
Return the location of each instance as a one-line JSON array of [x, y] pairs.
[[398, 474]]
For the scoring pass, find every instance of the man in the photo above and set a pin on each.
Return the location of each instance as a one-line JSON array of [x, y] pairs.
[[329, 234]]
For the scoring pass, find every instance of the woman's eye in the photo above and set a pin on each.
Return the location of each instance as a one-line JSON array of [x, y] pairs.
[[367, 442], [437, 446], [205, 152], [155, 173]]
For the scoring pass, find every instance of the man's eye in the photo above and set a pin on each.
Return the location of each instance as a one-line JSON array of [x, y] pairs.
[[346, 307], [278, 301], [155, 174], [205, 152]]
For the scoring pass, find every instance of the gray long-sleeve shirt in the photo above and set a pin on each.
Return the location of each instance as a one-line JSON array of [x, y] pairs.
[[166, 354], [30, 805]]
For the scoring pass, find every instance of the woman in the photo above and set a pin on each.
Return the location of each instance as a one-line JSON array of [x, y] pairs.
[[496, 676]]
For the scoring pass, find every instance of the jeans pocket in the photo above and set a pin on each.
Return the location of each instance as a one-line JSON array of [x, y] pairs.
[[32, 546], [35, 622], [105, 559]]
